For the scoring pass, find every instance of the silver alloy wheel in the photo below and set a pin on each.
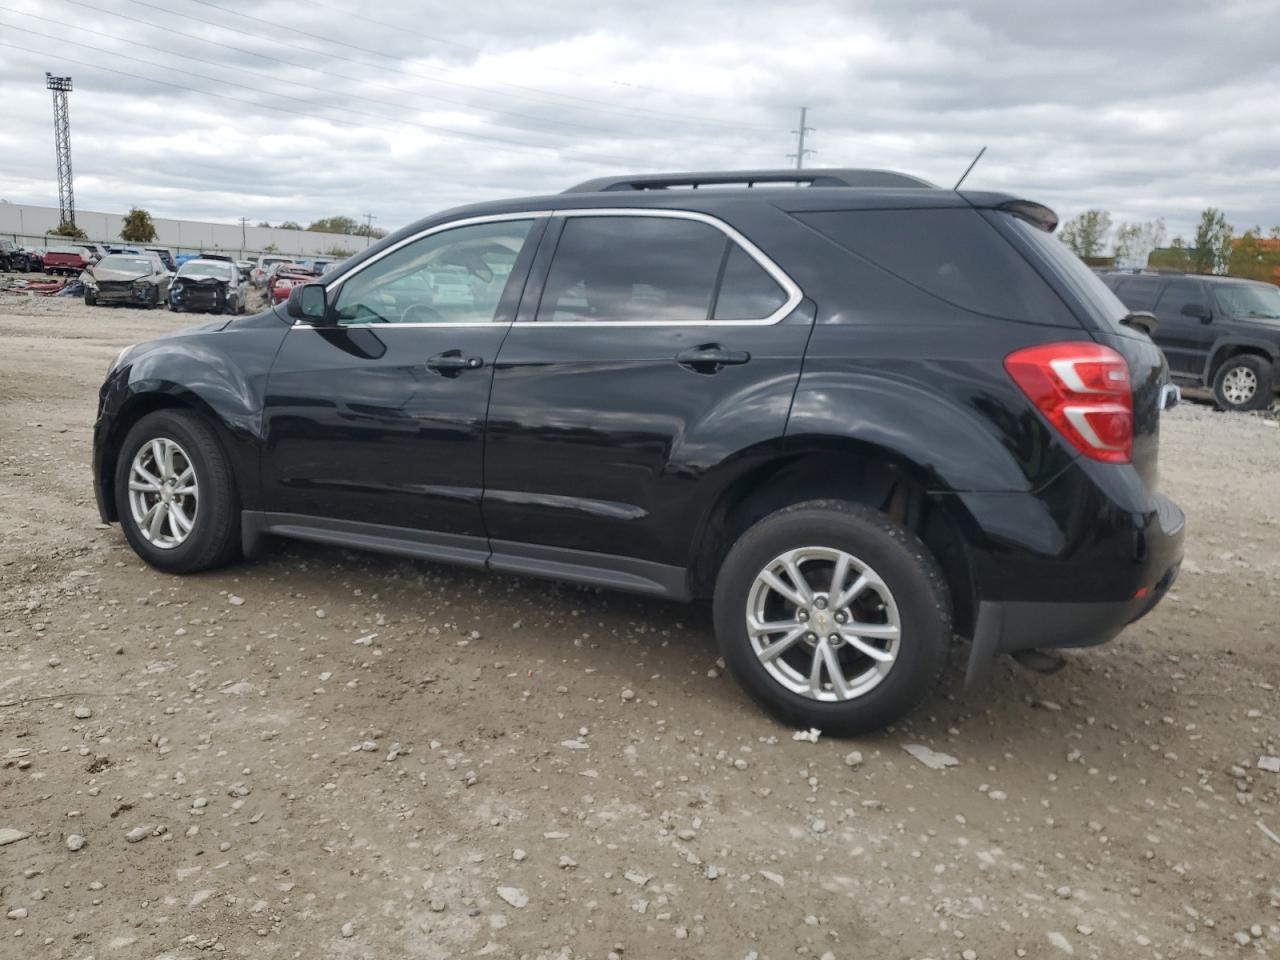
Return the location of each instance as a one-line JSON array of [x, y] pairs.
[[823, 624], [1239, 385], [164, 493]]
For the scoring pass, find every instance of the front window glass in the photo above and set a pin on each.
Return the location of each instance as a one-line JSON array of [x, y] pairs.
[[1248, 300], [125, 264], [633, 269], [456, 276]]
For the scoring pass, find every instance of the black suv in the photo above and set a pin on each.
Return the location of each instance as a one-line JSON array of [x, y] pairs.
[[860, 417], [13, 257], [1217, 332]]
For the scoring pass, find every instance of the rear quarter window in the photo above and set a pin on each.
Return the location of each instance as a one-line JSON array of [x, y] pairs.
[[951, 254]]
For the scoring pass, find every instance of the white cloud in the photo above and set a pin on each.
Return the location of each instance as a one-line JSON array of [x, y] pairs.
[[1144, 110]]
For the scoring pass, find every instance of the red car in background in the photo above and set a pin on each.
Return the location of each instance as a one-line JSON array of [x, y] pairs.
[[71, 261], [283, 277]]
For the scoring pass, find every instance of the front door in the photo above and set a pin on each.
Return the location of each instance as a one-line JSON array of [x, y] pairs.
[[652, 350], [1184, 339], [375, 418]]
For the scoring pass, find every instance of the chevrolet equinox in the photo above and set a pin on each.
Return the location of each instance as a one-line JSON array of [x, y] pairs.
[[861, 418]]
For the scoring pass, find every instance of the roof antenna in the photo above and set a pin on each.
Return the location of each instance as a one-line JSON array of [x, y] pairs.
[[969, 167]]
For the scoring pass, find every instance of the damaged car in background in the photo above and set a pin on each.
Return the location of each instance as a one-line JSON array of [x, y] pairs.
[[209, 286], [139, 279]]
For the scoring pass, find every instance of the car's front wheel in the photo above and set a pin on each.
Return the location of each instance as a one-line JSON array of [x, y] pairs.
[[833, 616], [1243, 383], [175, 494]]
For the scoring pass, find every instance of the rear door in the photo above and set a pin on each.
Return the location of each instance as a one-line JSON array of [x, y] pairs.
[[653, 348], [375, 420], [1185, 339]]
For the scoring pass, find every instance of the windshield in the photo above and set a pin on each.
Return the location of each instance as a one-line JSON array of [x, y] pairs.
[[1248, 300], [125, 264], [206, 268]]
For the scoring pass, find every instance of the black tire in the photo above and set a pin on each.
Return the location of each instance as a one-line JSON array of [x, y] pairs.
[[90, 298], [906, 568], [1243, 365], [214, 539]]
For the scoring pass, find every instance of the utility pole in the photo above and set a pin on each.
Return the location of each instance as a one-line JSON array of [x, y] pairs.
[[800, 148], [243, 241], [368, 228], [61, 86]]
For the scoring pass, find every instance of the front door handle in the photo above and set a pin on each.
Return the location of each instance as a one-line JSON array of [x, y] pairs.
[[452, 362], [710, 357]]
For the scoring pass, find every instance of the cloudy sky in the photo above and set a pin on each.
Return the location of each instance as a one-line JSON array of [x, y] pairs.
[[216, 109]]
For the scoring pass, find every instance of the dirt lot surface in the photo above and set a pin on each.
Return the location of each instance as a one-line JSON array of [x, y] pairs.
[[327, 754]]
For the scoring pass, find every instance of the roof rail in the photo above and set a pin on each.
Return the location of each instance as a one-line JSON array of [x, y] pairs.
[[816, 177]]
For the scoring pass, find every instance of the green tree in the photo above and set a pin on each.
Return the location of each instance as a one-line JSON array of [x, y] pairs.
[[1211, 252], [69, 230], [264, 223], [289, 225], [270, 248], [1136, 241], [1176, 256], [339, 251], [1087, 233], [335, 225], [1275, 233], [138, 227]]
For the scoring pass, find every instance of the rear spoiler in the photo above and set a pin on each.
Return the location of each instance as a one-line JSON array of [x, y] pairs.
[[1037, 214]]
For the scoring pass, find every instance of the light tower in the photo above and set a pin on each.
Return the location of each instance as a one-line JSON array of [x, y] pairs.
[[61, 86]]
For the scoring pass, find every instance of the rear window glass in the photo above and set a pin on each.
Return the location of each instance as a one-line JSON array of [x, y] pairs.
[[747, 292], [1104, 306], [952, 254]]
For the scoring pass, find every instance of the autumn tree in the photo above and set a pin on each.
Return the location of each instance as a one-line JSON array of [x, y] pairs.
[[137, 227], [69, 230], [1087, 234]]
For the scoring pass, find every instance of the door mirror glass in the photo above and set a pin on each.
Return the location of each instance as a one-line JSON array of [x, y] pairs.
[[1197, 310], [307, 302]]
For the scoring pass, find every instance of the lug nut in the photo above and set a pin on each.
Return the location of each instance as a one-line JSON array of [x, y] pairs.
[[841, 617], [802, 615], [811, 637], [821, 603], [834, 639]]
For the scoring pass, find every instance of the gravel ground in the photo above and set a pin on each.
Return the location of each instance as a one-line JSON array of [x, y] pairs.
[[331, 754]]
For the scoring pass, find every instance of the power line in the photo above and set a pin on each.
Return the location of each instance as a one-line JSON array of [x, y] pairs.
[[443, 131], [266, 106], [402, 28], [800, 148], [537, 94], [244, 70]]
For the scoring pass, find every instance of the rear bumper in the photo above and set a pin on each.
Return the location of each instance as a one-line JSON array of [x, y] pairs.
[[1071, 566]]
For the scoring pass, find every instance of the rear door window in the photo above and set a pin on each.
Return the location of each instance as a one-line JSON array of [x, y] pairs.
[[1141, 293], [633, 269], [952, 254], [1178, 294], [747, 292]]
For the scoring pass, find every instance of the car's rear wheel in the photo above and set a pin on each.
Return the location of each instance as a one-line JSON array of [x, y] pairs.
[[175, 494], [833, 616], [1243, 382]]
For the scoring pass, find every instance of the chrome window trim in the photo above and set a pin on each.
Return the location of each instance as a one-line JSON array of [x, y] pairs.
[[789, 286]]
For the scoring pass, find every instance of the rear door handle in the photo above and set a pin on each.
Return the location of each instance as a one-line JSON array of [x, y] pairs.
[[710, 357], [452, 362]]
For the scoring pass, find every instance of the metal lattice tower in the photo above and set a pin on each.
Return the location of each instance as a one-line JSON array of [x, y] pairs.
[[61, 86]]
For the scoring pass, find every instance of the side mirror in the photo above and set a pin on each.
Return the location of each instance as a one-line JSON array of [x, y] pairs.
[[1142, 320], [307, 303], [1197, 310]]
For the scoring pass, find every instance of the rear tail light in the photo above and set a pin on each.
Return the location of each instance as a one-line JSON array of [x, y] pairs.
[[1083, 389]]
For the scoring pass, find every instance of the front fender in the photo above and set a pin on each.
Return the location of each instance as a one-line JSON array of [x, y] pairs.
[[217, 370], [1232, 342]]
